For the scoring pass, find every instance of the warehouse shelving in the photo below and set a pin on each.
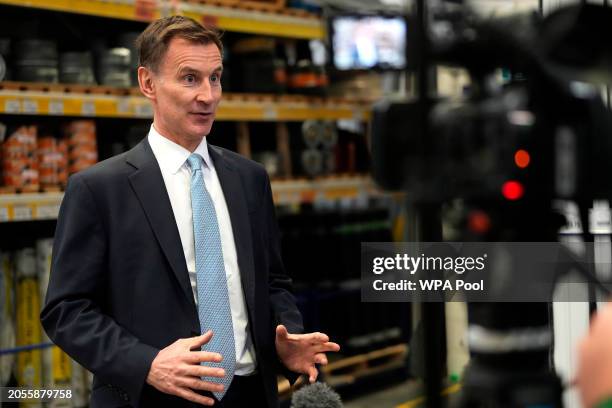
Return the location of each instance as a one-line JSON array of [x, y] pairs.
[[45, 206], [29, 206], [329, 188], [231, 17], [105, 102], [75, 100]]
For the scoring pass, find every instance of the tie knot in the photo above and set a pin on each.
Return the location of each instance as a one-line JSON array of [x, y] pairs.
[[195, 161]]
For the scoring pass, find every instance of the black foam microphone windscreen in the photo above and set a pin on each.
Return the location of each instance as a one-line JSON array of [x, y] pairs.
[[317, 395]]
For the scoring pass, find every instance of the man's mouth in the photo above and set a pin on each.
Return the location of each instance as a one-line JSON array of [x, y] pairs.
[[202, 114]]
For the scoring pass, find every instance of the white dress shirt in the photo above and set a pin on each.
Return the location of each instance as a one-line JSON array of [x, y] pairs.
[[172, 159]]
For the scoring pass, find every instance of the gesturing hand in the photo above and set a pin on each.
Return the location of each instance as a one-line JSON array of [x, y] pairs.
[[176, 369], [594, 377], [300, 352]]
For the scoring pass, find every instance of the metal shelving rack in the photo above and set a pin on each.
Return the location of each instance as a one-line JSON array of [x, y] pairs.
[[45, 206], [279, 23], [22, 98]]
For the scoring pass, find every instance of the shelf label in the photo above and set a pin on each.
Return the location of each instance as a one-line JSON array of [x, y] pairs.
[[47, 211], [4, 214], [144, 110], [56, 107], [88, 108], [30, 106], [123, 106], [270, 112], [22, 213], [12, 106]]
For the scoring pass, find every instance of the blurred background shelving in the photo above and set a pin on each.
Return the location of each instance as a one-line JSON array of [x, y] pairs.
[[69, 98]]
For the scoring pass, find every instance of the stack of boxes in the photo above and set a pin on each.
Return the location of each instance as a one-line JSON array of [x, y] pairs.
[[32, 159]]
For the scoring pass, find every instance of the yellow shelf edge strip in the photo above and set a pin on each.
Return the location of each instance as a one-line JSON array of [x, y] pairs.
[[230, 19], [60, 104]]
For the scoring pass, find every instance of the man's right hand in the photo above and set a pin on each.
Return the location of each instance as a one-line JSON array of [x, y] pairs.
[[176, 369]]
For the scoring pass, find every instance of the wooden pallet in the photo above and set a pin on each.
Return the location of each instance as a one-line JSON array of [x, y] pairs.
[[285, 389], [349, 370]]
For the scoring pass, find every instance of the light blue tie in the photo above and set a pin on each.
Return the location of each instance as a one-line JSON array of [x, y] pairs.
[[213, 299]]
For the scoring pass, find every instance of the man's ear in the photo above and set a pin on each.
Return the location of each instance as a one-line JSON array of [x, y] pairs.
[[146, 83]]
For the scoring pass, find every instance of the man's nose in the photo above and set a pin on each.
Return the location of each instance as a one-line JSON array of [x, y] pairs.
[[205, 93]]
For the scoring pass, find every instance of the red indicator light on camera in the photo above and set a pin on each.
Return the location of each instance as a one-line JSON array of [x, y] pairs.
[[512, 190], [522, 158]]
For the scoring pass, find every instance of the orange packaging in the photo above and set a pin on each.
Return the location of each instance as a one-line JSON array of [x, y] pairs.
[[84, 153], [52, 160], [18, 156], [81, 144], [86, 126], [47, 143]]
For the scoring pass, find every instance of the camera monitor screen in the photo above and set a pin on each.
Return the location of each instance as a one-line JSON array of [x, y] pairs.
[[368, 42]]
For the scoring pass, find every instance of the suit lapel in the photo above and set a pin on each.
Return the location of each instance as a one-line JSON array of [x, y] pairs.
[[148, 184], [235, 198]]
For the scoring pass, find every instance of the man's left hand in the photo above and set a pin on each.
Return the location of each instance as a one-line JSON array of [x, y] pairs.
[[300, 352]]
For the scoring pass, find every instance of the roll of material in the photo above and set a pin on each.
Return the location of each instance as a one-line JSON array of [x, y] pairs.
[[35, 48], [2, 68], [312, 162], [317, 133], [81, 386], [5, 46], [312, 133], [329, 161], [36, 60], [329, 135], [29, 363], [76, 68], [56, 365], [128, 40], [114, 67], [7, 322], [5, 50]]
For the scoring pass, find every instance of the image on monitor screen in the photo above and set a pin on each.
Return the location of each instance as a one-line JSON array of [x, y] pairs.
[[366, 42]]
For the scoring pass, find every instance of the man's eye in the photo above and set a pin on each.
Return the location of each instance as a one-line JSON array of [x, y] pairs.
[[214, 78], [190, 78]]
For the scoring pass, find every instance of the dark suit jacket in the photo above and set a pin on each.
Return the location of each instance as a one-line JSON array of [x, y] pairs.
[[119, 289]]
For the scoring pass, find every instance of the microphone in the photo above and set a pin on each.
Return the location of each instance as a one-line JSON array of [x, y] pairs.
[[317, 395]]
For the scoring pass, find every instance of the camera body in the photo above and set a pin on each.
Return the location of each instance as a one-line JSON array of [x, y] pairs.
[[507, 149]]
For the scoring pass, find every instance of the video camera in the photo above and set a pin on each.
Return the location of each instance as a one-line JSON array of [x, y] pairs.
[[530, 129], [544, 130]]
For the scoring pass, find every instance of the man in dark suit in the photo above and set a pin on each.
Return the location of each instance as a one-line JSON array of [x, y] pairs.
[[166, 280]]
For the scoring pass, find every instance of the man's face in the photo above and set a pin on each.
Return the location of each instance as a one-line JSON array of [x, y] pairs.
[[187, 90]]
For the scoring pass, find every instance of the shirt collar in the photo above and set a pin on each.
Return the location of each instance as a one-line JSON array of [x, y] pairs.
[[171, 156]]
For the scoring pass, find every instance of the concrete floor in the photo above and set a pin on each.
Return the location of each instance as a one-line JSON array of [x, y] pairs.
[[405, 395]]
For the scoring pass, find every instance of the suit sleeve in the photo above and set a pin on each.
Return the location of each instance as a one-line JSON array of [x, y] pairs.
[[73, 314], [285, 310], [280, 284]]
